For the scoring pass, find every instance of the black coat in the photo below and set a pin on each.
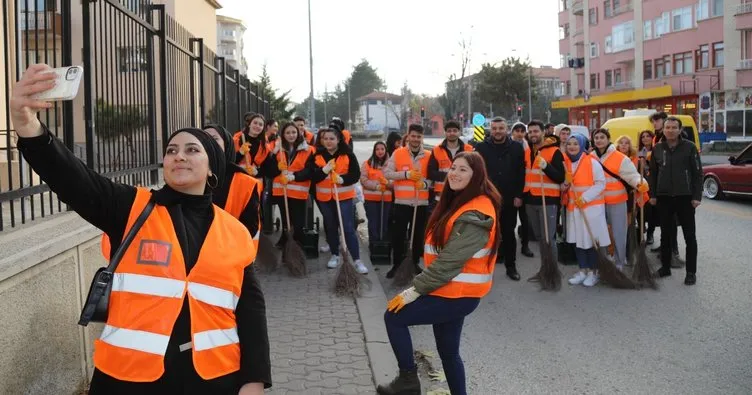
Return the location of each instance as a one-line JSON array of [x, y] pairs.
[[505, 164]]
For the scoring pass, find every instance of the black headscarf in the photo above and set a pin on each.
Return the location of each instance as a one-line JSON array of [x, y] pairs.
[[213, 150], [219, 194]]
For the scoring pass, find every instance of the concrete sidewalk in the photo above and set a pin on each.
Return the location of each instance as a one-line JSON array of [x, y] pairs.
[[321, 343]]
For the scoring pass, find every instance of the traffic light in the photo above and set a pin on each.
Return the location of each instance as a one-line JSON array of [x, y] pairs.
[[519, 111], [422, 112]]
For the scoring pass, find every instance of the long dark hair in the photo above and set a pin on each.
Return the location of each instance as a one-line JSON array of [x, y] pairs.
[[390, 140], [298, 140], [249, 119], [640, 145], [375, 161], [452, 200]]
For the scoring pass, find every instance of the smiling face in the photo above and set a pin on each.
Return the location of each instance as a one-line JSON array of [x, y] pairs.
[[601, 141], [535, 134], [624, 145], [301, 125], [186, 164], [573, 147], [459, 175], [646, 140], [499, 131], [216, 136], [329, 141], [380, 151], [518, 134], [564, 134], [414, 140], [290, 134], [257, 126]]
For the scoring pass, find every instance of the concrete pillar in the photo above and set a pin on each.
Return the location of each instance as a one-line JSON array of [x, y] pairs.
[[638, 77], [732, 45]]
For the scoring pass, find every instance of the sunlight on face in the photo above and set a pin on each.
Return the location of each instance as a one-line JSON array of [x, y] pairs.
[[459, 175], [186, 164], [291, 134]]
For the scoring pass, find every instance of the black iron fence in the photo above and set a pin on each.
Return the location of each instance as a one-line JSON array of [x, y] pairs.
[[145, 75]]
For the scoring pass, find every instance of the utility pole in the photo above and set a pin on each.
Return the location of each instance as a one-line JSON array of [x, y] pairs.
[[469, 94], [312, 104], [326, 93], [386, 116], [349, 111], [530, 94]]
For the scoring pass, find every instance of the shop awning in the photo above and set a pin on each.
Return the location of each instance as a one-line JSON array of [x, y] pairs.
[[616, 97]]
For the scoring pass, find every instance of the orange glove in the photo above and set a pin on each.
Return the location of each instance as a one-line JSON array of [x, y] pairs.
[[420, 185], [281, 165], [580, 202], [541, 162], [383, 181], [245, 148], [252, 170], [414, 175], [287, 178], [336, 178], [643, 187], [568, 178], [402, 299], [380, 187]]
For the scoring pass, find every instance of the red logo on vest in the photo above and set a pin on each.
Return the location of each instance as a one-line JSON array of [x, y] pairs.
[[154, 252]]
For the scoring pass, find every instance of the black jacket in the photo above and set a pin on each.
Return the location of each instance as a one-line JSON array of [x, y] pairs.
[[675, 171], [505, 164], [433, 165], [106, 205]]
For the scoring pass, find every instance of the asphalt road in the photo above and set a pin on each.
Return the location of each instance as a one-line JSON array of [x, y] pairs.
[[677, 340]]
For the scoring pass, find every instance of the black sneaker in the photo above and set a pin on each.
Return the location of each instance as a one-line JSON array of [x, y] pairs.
[[390, 273], [691, 279], [660, 273], [526, 252]]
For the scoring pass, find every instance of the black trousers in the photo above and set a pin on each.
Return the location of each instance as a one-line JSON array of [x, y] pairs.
[[524, 227], [297, 209], [508, 245], [403, 216], [672, 208]]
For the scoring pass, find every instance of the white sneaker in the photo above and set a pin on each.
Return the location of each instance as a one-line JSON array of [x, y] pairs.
[[578, 278], [333, 262], [591, 280], [324, 248], [360, 267]]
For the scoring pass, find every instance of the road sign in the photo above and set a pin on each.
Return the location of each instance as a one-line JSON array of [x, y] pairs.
[[479, 134], [479, 120]]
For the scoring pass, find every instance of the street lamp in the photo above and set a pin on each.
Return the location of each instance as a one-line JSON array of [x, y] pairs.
[[312, 104]]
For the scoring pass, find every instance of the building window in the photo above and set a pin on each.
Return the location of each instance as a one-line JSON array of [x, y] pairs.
[[592, 82], [617, 76], [609, 81], [568, 90], [593, 16], [647, 30], [667, 65], [593, 50], [616, 5], [683, 63], [659, 68], [607, 48], [682, 19], [647, 70], [703, 57], [662, 24], [607, 11], [701, 10], [717, 7], [718, 55], [566, 30], [132, 59], [229, 33], [37, 5], [622, 36], [229, 52]]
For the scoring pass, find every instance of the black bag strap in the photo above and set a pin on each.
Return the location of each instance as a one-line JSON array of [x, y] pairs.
[[621, 180], [118, 255]]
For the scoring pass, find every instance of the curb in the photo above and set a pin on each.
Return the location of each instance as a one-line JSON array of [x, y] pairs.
[[371, 307]]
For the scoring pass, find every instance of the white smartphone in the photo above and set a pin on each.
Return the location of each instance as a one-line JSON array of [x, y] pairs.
[[67, 80]]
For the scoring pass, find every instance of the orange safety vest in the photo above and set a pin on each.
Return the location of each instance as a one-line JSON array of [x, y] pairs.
[[347, 136], [324, 191], [582, 180], [295, 189], [150, 285], [477, 275], [533, 172], [242, 188], [247, 161], [375, 174], [405, 190], [308, 136], [526, 149], [614, 192], [442, 158]]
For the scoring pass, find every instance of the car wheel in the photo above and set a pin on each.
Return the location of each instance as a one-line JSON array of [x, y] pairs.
[[711, 188]]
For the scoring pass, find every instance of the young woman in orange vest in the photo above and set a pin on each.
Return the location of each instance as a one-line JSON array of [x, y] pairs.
[[239, 194], [293, 173], [252, 151], [336, 164], [584, 186], [271, 129], [462, 238], [375, 189], [186, 314], [619, 169]]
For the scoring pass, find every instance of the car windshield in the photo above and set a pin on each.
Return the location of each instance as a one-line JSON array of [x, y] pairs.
[[745, 156]]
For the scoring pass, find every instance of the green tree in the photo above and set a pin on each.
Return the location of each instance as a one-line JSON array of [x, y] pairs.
[[280, 105], [114, 122], [503, 86]]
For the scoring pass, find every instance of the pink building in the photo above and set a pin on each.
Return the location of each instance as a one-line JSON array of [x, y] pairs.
[[683, 57]]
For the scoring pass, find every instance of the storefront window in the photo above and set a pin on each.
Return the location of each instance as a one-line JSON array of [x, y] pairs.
[[704, 123], [734, 123], [748, 123], [720, 122]]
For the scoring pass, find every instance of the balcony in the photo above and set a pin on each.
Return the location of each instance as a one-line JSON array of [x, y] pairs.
[[743, 16], [577, 7], [744, 74], [579, 36], [40, 22], [623, 85]]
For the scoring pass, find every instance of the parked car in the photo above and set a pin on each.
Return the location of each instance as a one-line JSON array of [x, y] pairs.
[[734, 178]]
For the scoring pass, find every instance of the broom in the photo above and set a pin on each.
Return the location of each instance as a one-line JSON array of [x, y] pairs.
[[607, 270], [632, 242], [347, 282], [641, 273], [406, 270], [549, 275], [292, 253]]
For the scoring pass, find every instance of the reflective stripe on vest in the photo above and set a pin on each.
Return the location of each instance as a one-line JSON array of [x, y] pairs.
[[324, 190], [615, 192], [375, 174], [405, 190], [533, 172], [148, 291], [445, 163], [476, 277], [295, 189], [582, 180]]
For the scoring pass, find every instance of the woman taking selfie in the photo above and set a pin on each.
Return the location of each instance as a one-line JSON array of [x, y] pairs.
[[376, 192], [462, 238], [153, 343]]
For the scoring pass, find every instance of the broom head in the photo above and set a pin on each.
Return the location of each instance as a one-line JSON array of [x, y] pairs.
[[265, 256], [406, 270], [347, 282], [294, 257], [549, 275], [610, 274], [641, 273], [633, 245]]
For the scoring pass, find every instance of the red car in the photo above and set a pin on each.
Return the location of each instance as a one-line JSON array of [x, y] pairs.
[[734, 178]]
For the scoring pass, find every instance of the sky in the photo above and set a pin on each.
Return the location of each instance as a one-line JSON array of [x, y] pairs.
[[413, 41]]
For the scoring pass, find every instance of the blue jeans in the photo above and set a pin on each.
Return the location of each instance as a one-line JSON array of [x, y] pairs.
[[373, 211], [447, 317], [331, 222], [587, 259]]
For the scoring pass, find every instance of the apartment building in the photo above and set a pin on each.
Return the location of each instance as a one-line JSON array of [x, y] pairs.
[[230, 43], [682, 57]]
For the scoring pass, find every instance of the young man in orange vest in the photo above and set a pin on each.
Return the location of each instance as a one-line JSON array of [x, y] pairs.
[[408, 168], [505, 165], [543, 157], [307, 134], [442, 157]]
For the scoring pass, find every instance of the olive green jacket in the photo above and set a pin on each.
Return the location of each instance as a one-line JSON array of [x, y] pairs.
[[469, 235]]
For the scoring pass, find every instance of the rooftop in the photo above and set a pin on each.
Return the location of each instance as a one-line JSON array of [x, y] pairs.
[[376, 95]]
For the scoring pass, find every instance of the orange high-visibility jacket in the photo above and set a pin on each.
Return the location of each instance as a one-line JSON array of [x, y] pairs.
[[477, 275], [347, 136], [242, 187], [148, 290], [295, 189], [533, 172], [375, 174], [405, 190], [582, 180], [442, 158], [324, 189], [615, 192], [239, 139]]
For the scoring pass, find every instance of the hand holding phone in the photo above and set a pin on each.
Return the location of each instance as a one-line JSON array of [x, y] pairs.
[[67, 81]]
